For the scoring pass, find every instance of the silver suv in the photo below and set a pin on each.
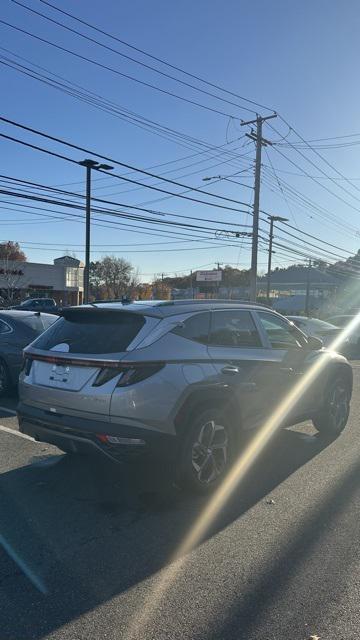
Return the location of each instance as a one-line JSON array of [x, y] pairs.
[[180, 380]]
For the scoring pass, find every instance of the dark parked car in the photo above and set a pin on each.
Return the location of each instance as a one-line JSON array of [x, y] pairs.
[[17, 330], [45, 305], [179, 380]]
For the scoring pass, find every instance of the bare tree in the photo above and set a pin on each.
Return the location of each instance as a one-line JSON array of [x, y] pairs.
[[12, 262], [112, 277], [11, 276]]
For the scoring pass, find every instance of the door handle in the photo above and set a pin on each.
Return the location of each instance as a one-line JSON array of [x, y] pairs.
[[230, 371], [286, 370]]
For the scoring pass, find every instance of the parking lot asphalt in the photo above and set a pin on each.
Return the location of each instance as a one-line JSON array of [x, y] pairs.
[[84, 545]]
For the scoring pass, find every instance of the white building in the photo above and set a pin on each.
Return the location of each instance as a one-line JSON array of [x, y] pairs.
[[63, 280]]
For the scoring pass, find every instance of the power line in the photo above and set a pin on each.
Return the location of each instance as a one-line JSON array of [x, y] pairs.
[[119, 204], [145, 53], [311, 244], [62, 157], [116, 71], [99, 102], [323, 172], [127, 57], [123, 214], [312, 205], [132, 228], [279, 185], [209, 148], [139, 250], [324, 160], [122, 164], [326, 218], [302, 175], [310, 235]]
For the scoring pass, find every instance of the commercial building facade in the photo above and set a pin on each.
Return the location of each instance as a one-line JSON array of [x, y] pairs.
[[63, 280]]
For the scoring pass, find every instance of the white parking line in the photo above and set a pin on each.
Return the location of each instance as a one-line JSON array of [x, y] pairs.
[[16, 433], [11, 412]]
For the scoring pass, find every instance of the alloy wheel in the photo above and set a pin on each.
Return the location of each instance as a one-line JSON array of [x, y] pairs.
[[210, 452], [339, 405]]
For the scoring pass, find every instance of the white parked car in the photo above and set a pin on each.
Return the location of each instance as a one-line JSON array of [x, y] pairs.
[[326, 331]]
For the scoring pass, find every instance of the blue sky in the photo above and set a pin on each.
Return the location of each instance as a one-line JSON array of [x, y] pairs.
[[299, 58]]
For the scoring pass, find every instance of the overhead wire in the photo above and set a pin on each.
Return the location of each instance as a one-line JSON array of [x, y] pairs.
[[62, 157], [115, 71], [145, 53], [117, 162], [79, 92], [323, 172], [118, 204], [127, 57]]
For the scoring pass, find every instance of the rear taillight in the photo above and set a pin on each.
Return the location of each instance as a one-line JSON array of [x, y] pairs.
[[132, 375], [104, 376], [26, 365], [129, 374]]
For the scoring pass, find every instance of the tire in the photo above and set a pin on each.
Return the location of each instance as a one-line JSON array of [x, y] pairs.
[[206, 453], [332, 418], [5, 380]]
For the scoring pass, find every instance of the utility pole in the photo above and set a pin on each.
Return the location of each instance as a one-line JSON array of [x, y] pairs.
[[218, 285], [89, 164], [307, 297], [260, 142], [271, 236]]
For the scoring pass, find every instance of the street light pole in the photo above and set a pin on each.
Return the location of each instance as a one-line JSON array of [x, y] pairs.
[[271, 236], [89, 164]]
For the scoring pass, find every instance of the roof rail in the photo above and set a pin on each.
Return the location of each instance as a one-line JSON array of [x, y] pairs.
[[123, 300], [216, 300]]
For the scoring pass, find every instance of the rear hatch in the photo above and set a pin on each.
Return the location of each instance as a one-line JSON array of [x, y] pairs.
[[64, 365]]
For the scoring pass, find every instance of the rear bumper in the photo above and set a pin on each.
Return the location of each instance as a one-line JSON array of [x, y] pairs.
[[80, 435]]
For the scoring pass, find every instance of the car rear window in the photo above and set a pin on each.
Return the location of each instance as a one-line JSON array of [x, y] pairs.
[[92, 332], [33, 322], [48, 320]]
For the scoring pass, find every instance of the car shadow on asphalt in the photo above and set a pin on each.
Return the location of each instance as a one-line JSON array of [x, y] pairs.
[[86, 531], [300, 587]]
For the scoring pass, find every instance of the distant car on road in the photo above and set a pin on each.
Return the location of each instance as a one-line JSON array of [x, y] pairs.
[[17, 330], [354, 336], [326, 331], [177, 380], [45, 305]]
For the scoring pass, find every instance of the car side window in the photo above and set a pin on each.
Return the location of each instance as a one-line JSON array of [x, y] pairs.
[[195, 328], [234, 329], [4, 327], [281, 334]]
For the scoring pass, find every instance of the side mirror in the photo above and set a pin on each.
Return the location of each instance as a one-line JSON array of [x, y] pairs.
[[314, 344]]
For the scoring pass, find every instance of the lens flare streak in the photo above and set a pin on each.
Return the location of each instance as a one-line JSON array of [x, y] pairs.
[[237, 472]]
